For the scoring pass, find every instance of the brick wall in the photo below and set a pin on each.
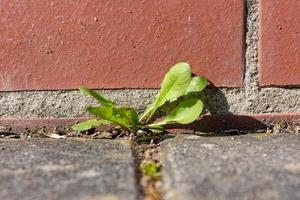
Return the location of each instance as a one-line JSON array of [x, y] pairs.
[[250, 49], [109, 44]]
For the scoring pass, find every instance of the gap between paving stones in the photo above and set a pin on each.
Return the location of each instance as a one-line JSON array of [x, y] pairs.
[[152, 152], [149, 169], [147, 150]]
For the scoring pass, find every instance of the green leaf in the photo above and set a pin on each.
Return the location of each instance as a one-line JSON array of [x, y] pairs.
[[132, 115], [156, 129], [84, 126], [197, 84], [102, 99], [185, 112], [173, 86], [113, 114]]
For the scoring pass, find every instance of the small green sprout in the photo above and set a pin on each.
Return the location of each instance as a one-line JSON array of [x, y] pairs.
[[282, 124], [178, 96], [150, 169]]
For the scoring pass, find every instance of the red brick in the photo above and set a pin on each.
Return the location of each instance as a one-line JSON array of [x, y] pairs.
[[112, 44], [279, 46]]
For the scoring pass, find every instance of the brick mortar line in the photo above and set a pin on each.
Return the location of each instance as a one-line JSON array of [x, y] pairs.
[[251, 49]]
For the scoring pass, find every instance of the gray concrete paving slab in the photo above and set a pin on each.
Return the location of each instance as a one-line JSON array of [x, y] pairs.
[[243, 167], [67, 169]]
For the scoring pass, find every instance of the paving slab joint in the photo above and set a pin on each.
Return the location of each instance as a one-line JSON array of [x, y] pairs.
[[148, 169]]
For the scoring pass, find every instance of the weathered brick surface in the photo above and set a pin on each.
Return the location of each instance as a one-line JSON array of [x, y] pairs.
[[112, 44], [279, 46]]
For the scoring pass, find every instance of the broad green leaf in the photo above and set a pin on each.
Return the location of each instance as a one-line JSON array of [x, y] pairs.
[[102, 99], [185, 112], [197, 84], [168, 107], [84, 126], [113, 114], [173, 86]]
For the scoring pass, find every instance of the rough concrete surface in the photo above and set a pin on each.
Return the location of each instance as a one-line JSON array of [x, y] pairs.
[[67, 169], [254, 166], [47, 104], [249, 99]]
